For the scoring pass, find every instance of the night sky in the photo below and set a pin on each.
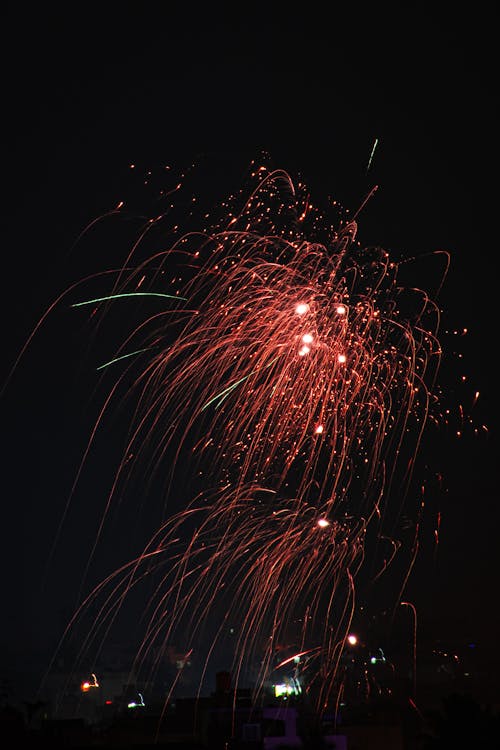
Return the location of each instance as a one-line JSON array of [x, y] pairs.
[[87, 93]]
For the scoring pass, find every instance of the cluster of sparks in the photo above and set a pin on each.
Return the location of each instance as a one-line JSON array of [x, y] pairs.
[[292, 373]]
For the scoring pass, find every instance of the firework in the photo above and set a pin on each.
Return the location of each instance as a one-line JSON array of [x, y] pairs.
[[281, 394]]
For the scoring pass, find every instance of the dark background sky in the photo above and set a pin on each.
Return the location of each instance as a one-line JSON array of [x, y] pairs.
[[87, 91]]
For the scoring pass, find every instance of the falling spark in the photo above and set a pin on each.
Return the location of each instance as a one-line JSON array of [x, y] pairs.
[[124, 295]]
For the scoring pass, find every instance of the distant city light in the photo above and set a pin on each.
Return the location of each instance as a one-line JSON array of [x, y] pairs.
[[284, 689], [134, 704], [85, 686]]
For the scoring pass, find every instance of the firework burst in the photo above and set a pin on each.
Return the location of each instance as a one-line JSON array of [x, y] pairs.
[[291, 373]]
